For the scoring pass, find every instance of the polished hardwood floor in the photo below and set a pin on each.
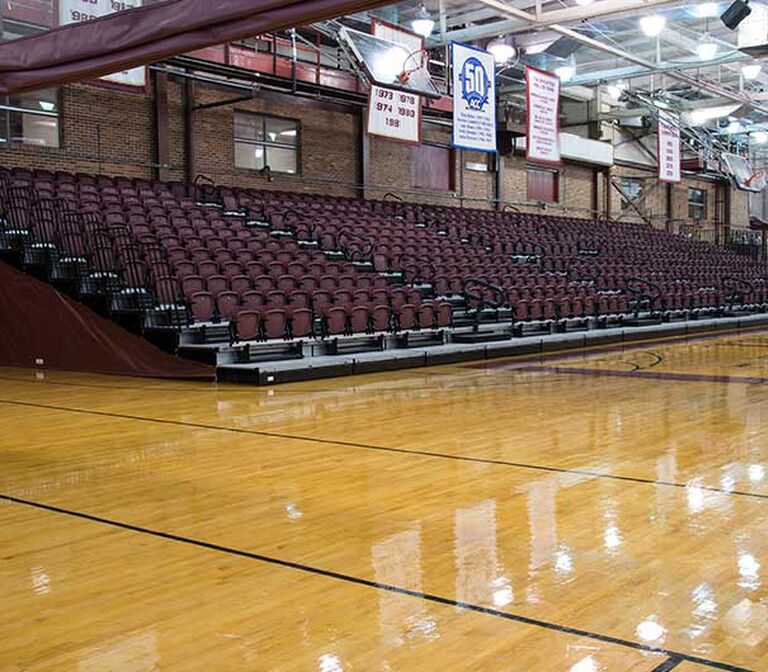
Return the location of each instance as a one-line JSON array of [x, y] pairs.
[[588, 512]]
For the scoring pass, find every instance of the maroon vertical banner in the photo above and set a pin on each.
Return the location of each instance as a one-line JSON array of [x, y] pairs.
[[668, 147], [542, 93]]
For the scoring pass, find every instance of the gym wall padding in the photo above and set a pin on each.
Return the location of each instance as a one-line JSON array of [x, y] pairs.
[[39, 323]]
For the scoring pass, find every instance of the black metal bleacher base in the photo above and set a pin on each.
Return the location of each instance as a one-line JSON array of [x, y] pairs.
[[480, 337], [641, 321]]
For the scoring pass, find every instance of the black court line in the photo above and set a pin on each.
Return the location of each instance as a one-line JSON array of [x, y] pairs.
[[387, 449], [439, 599], [667, 665]]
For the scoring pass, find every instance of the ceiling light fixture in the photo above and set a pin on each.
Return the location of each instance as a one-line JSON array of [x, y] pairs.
[[502, 49], [423, 24], [760, 137], [583, 3], [565, 72], [615, 89], [706, 48], [653, 25], [733, 127], [706, 10], [751, 70]]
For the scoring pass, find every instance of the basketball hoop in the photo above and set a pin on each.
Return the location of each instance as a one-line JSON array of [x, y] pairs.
[[420, 57]]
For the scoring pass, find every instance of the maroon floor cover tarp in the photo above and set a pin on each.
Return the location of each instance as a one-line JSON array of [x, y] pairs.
[[39, 323]]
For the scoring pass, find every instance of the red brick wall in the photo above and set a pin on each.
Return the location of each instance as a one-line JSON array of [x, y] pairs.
[[102, 131]]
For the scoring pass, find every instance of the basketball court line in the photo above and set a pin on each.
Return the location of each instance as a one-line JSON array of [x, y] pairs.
[[403, 451], [669, 664], [643, 373], [673, 657]]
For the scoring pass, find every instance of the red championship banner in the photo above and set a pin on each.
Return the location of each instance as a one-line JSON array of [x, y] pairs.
[[543, 117], [668, 147]]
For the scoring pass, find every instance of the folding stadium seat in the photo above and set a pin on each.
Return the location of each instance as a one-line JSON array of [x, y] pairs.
[[381, 318], [320, 300], [203, 307], [443, 314], [253, 300], [335, 318], [406, 316], [247, 326], [240, 284], [286, 283], [275, 323], [276, 299], [359, 317], [191, 285], [425, 315], [301, 322], [227, 304], [328, 282], [263, 283], [309, 283], [216, 284], [230, 269], [298, 298]]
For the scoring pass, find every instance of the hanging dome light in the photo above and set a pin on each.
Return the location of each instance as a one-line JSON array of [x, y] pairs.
[[653, 25], [615, 89], [423, 24], [751, 70], [502, 49], [566, 72], [706, 48], [760, 137]]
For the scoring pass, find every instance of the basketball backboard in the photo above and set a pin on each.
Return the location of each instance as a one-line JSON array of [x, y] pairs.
[[742, 173]]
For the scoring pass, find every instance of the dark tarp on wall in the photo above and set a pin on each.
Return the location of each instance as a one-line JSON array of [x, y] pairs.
[[147, 34], [36, 322]]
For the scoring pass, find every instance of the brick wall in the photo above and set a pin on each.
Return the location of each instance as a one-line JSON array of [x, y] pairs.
[[102, 130]]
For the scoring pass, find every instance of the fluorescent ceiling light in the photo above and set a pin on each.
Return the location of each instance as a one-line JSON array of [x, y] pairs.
[[760, 138], [653, 25], [751, 70], [706, 48], [565, 72], [423, 24], [47, 105]]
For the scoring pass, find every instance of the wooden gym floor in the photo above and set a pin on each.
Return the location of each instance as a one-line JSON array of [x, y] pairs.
[[584, 513]]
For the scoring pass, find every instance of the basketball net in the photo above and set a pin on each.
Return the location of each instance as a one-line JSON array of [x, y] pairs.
[[417, 60]]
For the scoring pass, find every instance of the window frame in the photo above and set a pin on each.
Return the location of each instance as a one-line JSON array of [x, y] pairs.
[[5, 106], [698, 211], [626, 204], [266, 144]]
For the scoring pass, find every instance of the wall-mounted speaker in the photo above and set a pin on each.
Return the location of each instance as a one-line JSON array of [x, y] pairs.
[[735, 14]]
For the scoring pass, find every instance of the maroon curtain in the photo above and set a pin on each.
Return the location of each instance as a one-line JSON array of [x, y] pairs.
[[38, 323], [146, 34]]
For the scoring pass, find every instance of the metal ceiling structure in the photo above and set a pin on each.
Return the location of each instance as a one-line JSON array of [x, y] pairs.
[[603, 41]]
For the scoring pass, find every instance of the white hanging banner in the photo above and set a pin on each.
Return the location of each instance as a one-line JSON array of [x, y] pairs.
[[77, 11], [542, 90], [394, 114], [668, 147], [474, 98]]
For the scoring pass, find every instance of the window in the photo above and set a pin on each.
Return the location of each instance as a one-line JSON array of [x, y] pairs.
[[432, 167], [697, 203], [262, 141], [633, 189], [30, 118], [542, 185]]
